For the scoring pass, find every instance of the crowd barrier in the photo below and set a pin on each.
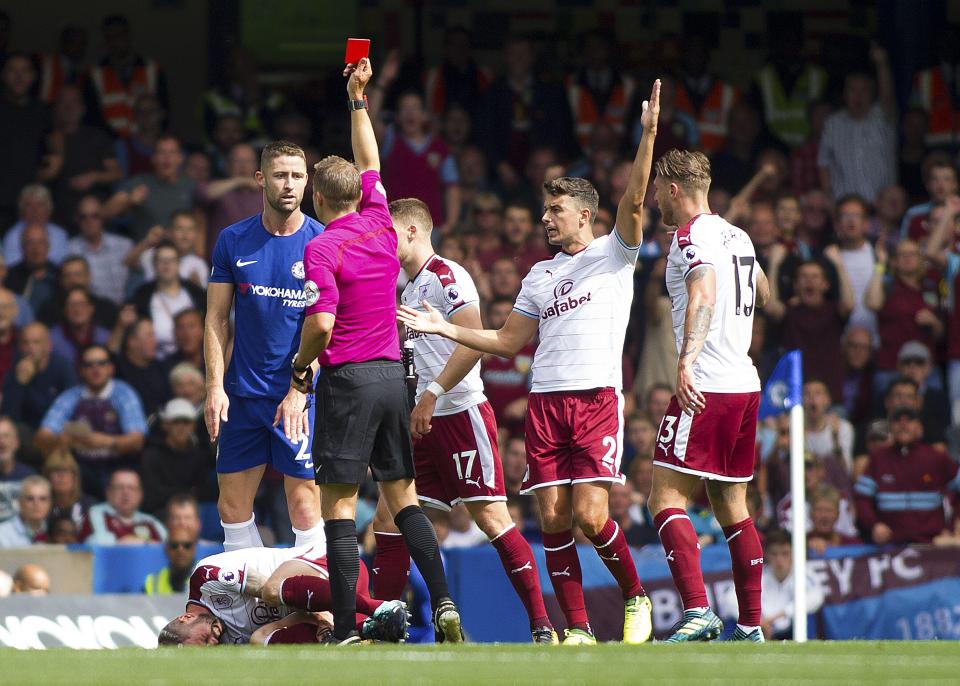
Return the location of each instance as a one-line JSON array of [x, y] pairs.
[[903, 593]]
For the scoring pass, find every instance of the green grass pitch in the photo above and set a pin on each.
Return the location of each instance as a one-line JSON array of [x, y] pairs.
[[911, 664]]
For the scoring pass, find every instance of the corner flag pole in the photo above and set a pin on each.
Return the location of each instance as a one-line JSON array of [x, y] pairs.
[[798, 524]]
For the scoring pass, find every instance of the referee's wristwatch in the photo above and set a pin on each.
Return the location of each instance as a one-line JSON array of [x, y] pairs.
[[301, 379], [354, 105]]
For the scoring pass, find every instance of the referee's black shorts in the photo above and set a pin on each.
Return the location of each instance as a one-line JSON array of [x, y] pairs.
[[363, 419]]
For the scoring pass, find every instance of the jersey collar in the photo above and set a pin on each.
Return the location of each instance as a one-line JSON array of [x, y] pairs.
[[424, 266]]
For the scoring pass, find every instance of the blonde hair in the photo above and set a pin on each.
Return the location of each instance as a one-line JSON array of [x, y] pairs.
[[406, 211], [62, 459], [338, 181], [280, 149], [690, 170]]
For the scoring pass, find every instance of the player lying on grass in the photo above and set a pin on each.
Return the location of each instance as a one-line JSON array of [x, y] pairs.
[[249, 595]]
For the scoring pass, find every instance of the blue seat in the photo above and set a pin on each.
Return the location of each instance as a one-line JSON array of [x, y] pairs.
[[210, 529]]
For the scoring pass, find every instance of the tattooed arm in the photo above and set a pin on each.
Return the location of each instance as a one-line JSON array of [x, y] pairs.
[[701, 299]]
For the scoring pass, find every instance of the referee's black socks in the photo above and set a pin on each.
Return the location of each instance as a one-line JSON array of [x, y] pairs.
[[422, 543], [343, 563]]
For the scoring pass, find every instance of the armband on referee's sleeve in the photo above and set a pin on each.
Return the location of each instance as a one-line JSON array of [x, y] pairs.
[[436, 388]]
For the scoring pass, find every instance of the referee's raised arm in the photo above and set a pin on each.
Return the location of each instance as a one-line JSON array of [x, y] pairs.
[[366, 155], [363, 417]]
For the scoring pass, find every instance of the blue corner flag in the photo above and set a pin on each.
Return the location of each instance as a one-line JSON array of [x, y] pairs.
[[784, 387]]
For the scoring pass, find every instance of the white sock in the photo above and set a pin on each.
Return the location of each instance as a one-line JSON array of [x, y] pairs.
[[241, 535], [316, 536], [747, 629]]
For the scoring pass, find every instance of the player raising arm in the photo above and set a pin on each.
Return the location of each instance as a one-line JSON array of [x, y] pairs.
[[580, 303], [709, 429]]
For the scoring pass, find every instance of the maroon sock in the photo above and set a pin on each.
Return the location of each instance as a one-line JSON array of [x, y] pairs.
[[746, 555], [391, 565], [521, 569], [312, 593], [683, 555], [306, 593], [566, 577], [611, 546]]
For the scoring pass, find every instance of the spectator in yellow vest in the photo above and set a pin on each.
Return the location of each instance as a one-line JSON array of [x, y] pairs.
[[180, 549], [787, 83]]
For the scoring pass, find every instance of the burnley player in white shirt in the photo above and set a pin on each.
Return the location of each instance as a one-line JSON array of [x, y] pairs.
[[271, 596], [580, 303], [709, 429], [453, 426]]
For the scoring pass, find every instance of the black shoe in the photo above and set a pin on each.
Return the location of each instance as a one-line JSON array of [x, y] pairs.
[[446, 622]]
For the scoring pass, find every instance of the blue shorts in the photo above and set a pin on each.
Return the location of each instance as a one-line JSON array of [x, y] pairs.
[[249, 440]]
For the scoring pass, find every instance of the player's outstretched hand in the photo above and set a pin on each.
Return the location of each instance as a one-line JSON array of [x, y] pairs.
[[215, 410], [422, 414], [689, 398], [430, 321], [292, 412], [359, 76], [651, 109]]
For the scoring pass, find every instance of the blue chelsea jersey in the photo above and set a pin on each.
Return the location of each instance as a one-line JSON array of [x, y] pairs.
[[267, 274]]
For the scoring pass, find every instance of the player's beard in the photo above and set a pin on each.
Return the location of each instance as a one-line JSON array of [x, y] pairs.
[[275, 203], [667, 211]]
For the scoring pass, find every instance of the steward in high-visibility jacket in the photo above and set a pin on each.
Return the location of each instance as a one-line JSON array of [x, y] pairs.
[[785, 113], [165, 582], [590, 106], [116, 92], [712, 113]]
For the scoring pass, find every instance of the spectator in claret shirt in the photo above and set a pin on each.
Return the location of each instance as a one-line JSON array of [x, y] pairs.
[[119, 520], [69, 500], [900, 495], [907, 307], [506, 381]]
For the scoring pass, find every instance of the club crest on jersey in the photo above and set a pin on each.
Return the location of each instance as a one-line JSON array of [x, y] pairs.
[[297, 269], [452, 293], [222, 601], [423, 293], [311, 294]]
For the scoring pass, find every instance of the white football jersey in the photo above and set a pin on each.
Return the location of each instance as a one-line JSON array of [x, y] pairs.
[[723, 365], [582, 302], [448, 288], [217, 584]]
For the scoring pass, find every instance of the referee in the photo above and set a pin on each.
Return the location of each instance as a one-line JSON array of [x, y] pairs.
[[362, 408]]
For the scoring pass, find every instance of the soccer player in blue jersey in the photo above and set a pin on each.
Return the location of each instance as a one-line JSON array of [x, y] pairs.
[[258, 268]]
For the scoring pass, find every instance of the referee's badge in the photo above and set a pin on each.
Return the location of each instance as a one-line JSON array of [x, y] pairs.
[[311, 294], [297, 269]]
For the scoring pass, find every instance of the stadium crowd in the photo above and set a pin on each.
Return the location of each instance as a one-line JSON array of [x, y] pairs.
[[109, 217]]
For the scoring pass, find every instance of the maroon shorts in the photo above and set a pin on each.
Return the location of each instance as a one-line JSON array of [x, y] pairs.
[[458, 461], [719, 443], [573, 437]]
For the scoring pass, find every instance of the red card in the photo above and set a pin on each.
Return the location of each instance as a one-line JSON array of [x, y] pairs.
[[357, 49]]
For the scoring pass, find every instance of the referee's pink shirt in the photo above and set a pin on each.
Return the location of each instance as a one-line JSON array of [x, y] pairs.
[[353, 268]]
